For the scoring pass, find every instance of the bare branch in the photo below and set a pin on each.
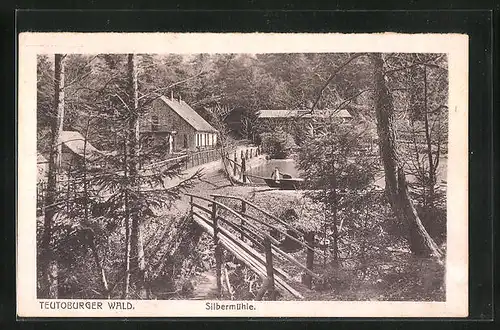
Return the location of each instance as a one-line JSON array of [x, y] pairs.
[[162, 89], [80, 78], [333, 75]]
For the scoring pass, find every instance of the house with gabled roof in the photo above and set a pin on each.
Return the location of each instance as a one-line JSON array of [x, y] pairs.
[[176, 125], [75, 150]]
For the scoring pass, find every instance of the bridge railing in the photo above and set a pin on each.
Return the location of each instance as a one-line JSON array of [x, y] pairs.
[[213, 223], [308, 242], [234, 235]]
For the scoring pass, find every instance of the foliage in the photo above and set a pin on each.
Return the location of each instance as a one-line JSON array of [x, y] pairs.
[[335, 158], [105, 192], [278, 144], [423, 132], [335, 168], [93, 207]]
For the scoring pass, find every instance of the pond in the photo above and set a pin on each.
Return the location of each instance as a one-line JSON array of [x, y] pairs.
[[265, 169]]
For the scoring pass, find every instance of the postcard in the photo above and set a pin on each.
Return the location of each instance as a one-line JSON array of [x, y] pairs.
[[242, 175]]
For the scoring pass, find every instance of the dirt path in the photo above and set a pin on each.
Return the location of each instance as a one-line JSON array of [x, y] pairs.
[[205, 286]]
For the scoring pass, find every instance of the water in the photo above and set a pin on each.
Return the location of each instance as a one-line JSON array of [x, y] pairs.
[[287, 166]]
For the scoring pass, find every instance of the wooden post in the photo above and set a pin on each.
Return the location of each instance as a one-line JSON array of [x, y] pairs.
[[218, 250], [251, 153], [309, 240], [243, 206], [244, 169], [242, 155], [191, 204], [246, 154], [269, 268], [235, 165]]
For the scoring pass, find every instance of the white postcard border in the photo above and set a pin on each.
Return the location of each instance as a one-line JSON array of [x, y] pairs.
[[455, 45]]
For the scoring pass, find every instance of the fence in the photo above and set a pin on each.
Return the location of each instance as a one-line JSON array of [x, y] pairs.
[[240, 168], [243, 235], [192, 159], [189, 160]]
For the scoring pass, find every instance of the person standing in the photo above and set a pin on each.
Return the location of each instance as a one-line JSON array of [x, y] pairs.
[[170, 143], [276, 175]]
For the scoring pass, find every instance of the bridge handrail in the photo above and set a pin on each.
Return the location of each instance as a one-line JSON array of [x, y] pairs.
[[272, 239], [243, 245], [234, 213], [255, 265], [274, 218]]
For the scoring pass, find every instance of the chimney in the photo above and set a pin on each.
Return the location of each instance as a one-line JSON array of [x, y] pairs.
[[171, 95]]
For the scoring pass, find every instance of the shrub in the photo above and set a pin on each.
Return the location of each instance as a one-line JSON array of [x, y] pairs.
[[278, 144]]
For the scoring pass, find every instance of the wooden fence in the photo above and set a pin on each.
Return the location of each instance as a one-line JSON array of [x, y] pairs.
[[69, 186], [243, 235], [193, 159]]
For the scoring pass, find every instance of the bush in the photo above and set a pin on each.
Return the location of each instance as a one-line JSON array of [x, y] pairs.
[[278, 144]]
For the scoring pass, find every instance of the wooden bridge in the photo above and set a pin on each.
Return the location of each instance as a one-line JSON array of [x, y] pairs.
[[251, 238]]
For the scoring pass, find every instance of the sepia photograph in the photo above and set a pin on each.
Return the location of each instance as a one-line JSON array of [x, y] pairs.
[[240, 176]]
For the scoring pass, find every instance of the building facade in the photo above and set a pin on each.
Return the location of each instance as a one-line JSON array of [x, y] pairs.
[[176, 125]]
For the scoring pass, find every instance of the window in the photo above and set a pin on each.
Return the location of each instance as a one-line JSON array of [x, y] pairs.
[[154, 123]]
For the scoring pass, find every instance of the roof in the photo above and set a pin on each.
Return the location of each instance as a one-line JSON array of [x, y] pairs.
[[189, 115], [40, 159], [343, 114], [76, 143], [303, 113], [284, 113]]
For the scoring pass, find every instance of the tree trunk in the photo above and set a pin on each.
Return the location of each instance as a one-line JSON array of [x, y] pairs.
[[100, 268], [138, 264], [432, 172], [93, 246], [334, 213], [48, 257], [395, 182], [126, 282], [309, 240]]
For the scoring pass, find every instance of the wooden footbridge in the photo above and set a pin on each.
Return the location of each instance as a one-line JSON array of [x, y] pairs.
[[250, 236]]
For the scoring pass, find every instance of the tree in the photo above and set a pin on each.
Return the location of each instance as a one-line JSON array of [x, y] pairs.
[[113, 190], [138, 264], [50, 269], [427, 127], [278, 144], [395, 181], [217, 115], [335, 169]]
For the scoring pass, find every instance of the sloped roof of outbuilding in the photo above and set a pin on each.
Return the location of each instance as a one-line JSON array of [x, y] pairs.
[[76, 143]]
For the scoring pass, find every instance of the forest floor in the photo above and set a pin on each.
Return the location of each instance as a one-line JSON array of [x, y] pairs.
[[390, 273]]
